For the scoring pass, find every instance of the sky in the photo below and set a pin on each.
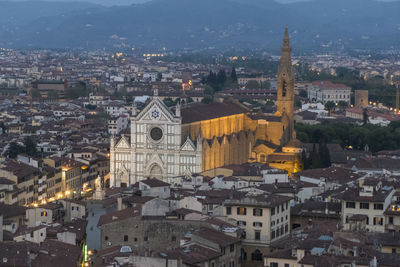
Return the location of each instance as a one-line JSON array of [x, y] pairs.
[[129, 2]]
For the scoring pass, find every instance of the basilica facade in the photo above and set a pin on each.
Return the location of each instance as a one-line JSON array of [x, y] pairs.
[[166, 144]]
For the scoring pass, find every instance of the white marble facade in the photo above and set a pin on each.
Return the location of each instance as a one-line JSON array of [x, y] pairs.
[[154, 148]]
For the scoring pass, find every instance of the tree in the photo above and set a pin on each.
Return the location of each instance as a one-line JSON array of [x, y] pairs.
[[343, 104], [169, 102], [330, 105], [30, 147], [304, 159], [91, 107], [207, 99], [14, 149], [233, 75], [303, 93], [252, 84], [221, 77], [365, 116], [314, 159], [325, 158], [298, 103]]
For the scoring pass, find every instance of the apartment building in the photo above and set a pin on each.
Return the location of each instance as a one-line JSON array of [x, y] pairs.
[[263, 219], [363, 207]]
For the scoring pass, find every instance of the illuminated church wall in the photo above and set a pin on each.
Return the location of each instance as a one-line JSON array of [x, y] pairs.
[[226, 140]]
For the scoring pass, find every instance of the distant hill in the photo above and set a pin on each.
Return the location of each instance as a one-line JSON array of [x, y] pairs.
[[320, 24]]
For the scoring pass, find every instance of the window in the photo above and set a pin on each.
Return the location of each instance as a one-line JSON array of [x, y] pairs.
[[228, 210], [378, 206], [367, 220], [287, 265], [223, 251], [390, 220], [350, 205], [257, 235], [106, 238], [241, 223], [145, 238], [243, 254], [364, 206], [274, 264], [173, 238], [243, 235], [256, 255], [286, 228], [272, 211], [272, 234], [257, 212], [347, 219], [257, 224], [125, 238], [284, 88], [135, 239], [32, 234], [241, 211], [393, 250], [232, 248], [43, 213]]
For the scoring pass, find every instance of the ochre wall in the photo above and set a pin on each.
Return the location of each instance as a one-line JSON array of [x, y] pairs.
[[229, 140]]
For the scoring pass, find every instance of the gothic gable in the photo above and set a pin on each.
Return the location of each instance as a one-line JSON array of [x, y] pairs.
[[188, 145], [122, 143], [156, 110]]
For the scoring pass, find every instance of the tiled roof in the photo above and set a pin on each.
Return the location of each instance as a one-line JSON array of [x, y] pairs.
[[153, 182], [200, 112], [118, 215]]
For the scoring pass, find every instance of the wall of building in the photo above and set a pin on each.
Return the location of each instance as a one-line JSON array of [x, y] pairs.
[[37, 216], [147, 234]]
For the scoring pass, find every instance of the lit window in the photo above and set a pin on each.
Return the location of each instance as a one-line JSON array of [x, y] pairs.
[[241, 211]]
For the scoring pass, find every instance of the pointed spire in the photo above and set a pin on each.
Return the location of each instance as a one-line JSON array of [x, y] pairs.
[[178, 109], [134, 109], [286, 38]]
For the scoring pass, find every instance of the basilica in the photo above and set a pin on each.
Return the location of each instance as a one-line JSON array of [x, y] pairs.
[[193, 138]]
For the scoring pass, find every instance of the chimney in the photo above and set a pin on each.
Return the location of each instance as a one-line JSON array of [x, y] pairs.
[[119, 203]]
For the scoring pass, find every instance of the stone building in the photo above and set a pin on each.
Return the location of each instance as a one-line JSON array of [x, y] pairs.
[[263, 219], [128, 227], [361, 98], [197, 137]]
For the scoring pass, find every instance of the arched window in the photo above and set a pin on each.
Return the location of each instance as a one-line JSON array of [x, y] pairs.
[[256, 255]]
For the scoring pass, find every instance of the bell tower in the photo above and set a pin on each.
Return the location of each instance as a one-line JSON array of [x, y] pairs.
[[285, 84]]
